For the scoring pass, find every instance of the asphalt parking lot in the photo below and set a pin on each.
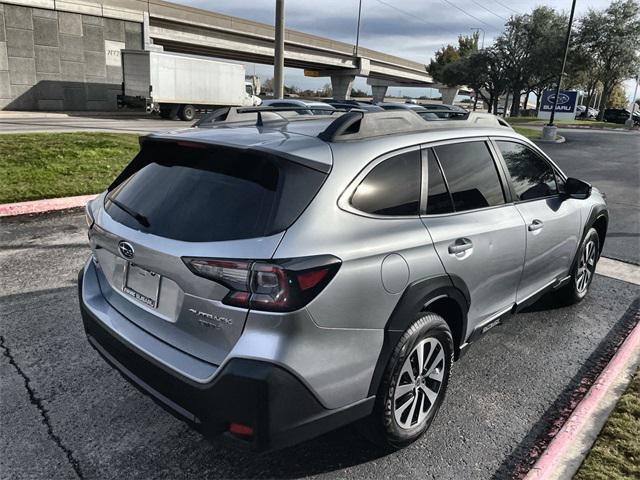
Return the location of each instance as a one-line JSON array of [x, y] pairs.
[[66, 414], [610, 161]]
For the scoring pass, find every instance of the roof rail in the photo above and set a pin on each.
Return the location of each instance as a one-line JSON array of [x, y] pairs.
[[348, 125], [229, 115], [356, 125]]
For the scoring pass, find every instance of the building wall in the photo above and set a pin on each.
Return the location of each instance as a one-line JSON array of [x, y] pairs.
[[51, 60]]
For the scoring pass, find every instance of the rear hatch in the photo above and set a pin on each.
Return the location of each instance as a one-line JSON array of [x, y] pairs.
[[179, 200]]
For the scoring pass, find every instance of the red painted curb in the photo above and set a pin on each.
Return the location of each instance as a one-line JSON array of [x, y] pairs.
[[551, 458], [41, 206]]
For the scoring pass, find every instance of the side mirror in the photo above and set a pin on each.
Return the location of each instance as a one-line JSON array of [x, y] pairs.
[[575, 188]]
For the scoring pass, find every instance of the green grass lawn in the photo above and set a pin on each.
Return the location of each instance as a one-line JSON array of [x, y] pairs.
[[528, 132], [48, 165], [616, 453]]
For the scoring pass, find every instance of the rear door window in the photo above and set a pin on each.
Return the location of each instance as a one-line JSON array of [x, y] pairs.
[[210, 194], [531, 176], [392, 188], [471, 174], [438, 198]]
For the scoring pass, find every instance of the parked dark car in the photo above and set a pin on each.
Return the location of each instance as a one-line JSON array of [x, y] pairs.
[[455, 111], [351, 104], [419, 109], [620, 115]]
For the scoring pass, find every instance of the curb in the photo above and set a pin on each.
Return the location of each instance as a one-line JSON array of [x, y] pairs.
[[42, 206], [602, 129], [560, 139], [19, 114], [566, 452]]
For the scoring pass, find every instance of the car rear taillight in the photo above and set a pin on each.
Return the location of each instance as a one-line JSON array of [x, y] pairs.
[[280, 286], [88, 215]]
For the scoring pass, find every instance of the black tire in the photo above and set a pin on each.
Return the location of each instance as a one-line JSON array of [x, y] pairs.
[[169, 111], [578, 286], [382, 426], [187, 113]]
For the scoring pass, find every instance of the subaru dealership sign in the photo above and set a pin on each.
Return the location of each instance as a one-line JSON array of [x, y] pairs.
[[566, 107]]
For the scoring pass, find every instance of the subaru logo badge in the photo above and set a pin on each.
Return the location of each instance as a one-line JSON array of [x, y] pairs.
[[126, 249], [562, 98]]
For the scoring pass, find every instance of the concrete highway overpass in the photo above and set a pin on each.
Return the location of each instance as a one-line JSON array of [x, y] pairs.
[[58, 54]]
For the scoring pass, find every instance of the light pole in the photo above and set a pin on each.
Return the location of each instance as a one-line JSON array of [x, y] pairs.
[[278, 56], [549, 131], [629, 122], [358, 28], [480, 28]]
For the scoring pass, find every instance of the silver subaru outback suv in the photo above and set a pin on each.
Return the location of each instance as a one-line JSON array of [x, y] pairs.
[[270, 277]]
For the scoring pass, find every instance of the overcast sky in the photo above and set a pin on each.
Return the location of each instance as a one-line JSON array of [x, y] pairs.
[[411, 29]]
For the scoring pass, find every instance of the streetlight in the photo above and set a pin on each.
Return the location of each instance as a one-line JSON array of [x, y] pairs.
[[476, 29], [549, 130], [358, 28], [278, 55], [629, 122]]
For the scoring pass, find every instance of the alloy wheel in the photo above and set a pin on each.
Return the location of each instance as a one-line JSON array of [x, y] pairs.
[[586, 267], [419, 383]]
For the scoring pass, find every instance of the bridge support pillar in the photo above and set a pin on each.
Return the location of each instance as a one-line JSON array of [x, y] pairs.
[[379, 92], [341, 86], [448, 94]]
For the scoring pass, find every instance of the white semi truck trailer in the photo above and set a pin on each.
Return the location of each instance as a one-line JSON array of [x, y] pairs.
[[177, 85]]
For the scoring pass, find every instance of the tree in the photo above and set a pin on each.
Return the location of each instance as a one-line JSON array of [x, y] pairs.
[[446, 55], [357, 93], [484, 71], [581, 72], [267, 86], [611, 37], [326, 90], [467, 44], [290, 89], [531, 46], [617, 97]]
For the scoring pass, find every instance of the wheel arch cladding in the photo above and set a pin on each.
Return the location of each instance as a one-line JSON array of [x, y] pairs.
[[443, 295], [601, 224], [598, 219]]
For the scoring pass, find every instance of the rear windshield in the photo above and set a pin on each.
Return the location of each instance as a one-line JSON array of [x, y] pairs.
[[196, 194]]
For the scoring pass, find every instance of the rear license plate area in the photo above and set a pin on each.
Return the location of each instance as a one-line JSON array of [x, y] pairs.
[[142, 284]]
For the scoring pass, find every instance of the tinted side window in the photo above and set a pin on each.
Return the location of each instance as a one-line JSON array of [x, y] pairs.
[[531, 176], [392, 187], [471, 174], [438, 198]]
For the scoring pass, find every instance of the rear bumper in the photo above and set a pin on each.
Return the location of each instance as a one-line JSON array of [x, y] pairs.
[[263, 396]]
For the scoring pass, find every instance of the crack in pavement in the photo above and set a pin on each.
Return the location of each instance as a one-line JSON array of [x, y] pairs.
[[37, 402]]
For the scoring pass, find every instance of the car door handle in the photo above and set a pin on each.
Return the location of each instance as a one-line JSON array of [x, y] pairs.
[[535, 225], [460, 245]]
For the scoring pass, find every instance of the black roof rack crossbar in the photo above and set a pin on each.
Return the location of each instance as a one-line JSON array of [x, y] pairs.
[[341, 125], [358, 125]]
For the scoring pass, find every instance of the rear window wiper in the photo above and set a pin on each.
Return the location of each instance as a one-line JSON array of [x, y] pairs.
[[141, 219]]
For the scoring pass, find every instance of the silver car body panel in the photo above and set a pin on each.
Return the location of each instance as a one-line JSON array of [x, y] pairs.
[[491, 268], [551, 247], [332, 345]]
